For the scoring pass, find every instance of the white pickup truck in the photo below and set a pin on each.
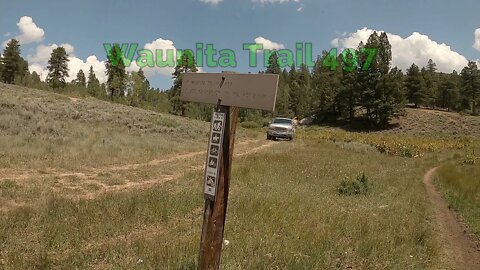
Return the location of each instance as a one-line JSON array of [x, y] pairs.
[[281, 128]]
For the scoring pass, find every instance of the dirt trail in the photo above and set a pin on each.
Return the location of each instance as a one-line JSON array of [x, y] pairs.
[[92, 172], [460, 250], [166, 178], [77, 181]]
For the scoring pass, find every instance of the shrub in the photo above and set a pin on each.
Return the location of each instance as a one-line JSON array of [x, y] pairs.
[[470, 159], [358, 186]]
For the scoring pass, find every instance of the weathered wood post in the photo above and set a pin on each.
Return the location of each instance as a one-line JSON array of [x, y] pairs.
[[216, 210], [229, 91]]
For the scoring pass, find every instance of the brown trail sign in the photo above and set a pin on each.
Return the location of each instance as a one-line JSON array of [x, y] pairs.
[[229, 91]]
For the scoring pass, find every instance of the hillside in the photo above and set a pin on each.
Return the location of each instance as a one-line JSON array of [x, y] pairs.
[[436, 123], [41, 129]]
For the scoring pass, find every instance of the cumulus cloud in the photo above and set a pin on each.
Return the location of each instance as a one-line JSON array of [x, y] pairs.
[[38, 62], [268, 44], [476, 44], [43, 52], [163, 45], [29, 31], [211, 2], [75, 64], [416, 48]]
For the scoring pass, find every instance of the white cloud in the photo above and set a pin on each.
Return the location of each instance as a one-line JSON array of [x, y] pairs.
[[43, 52], [268, 44], [39, 69], [212, 2], [163, 45], [416, 48], [39, 61], [476, 45], [7, 34], [75, 64], [29, 31], [300, 9]]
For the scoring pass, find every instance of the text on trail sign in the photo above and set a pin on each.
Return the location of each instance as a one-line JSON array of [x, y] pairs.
[[254, 91], [214, 154]]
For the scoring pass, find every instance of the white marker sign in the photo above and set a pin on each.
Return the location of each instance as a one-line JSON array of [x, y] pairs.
[[214, 154]]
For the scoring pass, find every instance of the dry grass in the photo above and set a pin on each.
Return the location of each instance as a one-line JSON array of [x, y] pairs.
[[461, 186], [435, 123], [94, 185], [41, 130], [281, 215]]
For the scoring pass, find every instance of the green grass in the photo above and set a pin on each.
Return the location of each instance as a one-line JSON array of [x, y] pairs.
[[282, 214], [41, 129], [285, 210], [460, 185]]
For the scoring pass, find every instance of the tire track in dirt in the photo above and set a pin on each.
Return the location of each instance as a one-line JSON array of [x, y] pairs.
[[462, 251], [11, 174], [92, 176], [163, 178]]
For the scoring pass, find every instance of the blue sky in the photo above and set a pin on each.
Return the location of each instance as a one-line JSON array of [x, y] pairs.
[[418, 30]]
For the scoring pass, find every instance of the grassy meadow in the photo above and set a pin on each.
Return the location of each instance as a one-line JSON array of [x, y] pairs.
[[87, 184], [282, 214]]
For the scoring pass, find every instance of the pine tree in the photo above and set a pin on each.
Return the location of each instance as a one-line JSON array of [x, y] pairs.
[[325, 87], [415, 86], [11, 61], [115, 65], [396, 84], [57, 68], [284, 76], [374, 85], [35, 81], [23, 74], [384, 54], [81, 80], [273, 66], [431, 83], [140, 88], [471, 86], [292, 75], [368, 79], [282, 100], [304, 94], [296, 91], [93, 86], [348, 94], [448, 92], [185, 64]]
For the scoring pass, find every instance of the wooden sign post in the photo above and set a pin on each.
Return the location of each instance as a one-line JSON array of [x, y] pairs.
[[229, 91]]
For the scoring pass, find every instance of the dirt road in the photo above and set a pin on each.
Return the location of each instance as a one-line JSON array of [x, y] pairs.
[[460, 251], [78, 184]]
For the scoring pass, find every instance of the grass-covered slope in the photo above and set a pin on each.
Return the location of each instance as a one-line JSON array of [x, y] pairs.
[[42, 129]]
